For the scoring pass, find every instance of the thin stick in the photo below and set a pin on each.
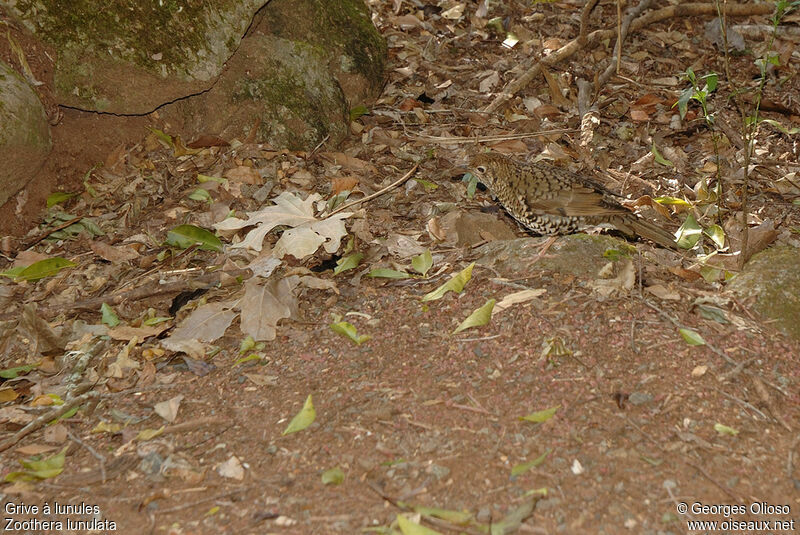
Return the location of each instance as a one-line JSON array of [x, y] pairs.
[[684, 461], [720, 353], [201, 500], [377, 193], [622, 33], [585, 14], [497, 137], [43, 419], [620, 36], [94, 453]]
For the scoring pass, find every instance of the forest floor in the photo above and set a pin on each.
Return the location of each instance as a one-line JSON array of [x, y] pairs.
[[646, 384]]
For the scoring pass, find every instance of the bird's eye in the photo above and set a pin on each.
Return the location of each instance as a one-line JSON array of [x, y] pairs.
[[481, 169]]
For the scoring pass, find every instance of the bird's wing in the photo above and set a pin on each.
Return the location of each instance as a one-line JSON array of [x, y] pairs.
[[573, 200]]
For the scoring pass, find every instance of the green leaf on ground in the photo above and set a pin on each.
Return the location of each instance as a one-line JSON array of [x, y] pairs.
[[58, 197], [513, 520], [539, 417], [347, 262], [302, 419], [347, 329], [455, 284], [39, 468], [427, 184], [39, 270], [109, 317], [541, 491], [385, 273], [13, 373], [479, 317], [779, 126], [409, 527], [248, 358], [472, 184], [518, 469], [202, 195], [184, 236], [455, 517], [660, 159], [710, 312], [206, 178], [716, 234], [423, 262], [334, 476], [358, 111], [672, 201], [689, 233], [692, 337], [725, 430]]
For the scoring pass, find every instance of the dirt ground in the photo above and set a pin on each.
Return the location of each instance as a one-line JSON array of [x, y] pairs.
[[416, 417]]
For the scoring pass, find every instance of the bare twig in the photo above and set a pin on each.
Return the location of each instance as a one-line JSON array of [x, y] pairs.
[[585, 13], [497, 137], [622, 34], [377, 193], [201, 500], [48, 232], [94, 453], [43, 419]]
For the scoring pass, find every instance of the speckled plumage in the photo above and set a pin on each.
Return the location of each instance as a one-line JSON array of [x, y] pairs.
[[549, 200]]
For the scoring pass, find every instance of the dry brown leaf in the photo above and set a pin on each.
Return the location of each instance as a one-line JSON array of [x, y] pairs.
[[264, 305], [8, 394], [409, 104], [510, 146], [207, 323], [685, 274], [34, 449], [647, 200], [662, 292], [26, 258], [244, 175], [343, 183], [124, 332], [552, 43], [515, 298], [405, 22], [546, 110], [350, 162], [205, 140], [556, 95], [111, 253]]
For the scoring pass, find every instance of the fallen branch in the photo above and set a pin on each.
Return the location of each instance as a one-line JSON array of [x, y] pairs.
[[150, 290]]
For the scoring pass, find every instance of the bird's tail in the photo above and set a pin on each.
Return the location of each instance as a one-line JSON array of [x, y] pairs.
[[645, 229]]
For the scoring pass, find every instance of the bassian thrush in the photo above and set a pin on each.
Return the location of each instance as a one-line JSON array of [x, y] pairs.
[[549, 200]]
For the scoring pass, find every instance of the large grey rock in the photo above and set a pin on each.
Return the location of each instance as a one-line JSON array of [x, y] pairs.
[[24, 133], [581, 255], [129, 57], [772, 280], [276, 85], [292, 67], [355, 51], [296, 74]]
